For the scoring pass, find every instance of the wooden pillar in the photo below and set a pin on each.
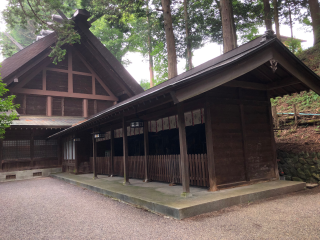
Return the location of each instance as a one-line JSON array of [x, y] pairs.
[[184, 163], [94, 156], [76, 156], [146, 149], [273, 142], [49, 106], [85, 108], [125, 153], [111, 151], [209, 144], [32, 148], [294, 106]]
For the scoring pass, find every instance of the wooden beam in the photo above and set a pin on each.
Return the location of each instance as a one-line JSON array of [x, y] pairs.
[[125, 153], [209, 144], [94, 74], [146, 149], [248, 85], [184, 163], [32, 74], [273, 143], [44, 80], [49, 106], [111, 152], [67, 71], [224, 76], [85, 108], [283, 83], [297, 70], [62, 94]]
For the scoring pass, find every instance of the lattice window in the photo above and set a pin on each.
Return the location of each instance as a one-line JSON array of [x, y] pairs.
[[45, 148], [16, 149]]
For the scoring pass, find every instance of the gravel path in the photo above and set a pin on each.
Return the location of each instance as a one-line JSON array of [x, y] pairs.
[[46, 208]]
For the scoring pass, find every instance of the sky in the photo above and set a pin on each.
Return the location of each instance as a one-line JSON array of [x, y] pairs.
[[139, 67]]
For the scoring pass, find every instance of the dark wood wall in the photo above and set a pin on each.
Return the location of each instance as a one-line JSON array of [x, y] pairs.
[[242, 137], [24, 149]]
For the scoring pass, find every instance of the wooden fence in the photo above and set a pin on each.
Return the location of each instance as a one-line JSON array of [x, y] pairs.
[[162, 168]]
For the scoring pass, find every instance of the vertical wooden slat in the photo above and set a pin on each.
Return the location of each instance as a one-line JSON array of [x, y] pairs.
[[209, 144], [62, 106], [244, 143], [32, 148], [49, 106], [184, 165], [70, 76], [94, 155], [112, 152], [125, 152], [85, 107]]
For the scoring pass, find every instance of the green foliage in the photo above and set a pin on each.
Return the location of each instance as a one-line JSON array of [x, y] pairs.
[[306, 102], [145, 84], [294, 45], [7, 109], [20, 13]]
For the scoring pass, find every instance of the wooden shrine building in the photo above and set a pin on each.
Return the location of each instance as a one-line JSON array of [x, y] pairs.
[[210, 127], [55, 97]]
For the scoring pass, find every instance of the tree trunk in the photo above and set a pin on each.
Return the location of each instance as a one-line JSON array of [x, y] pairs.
[[171, 48], [150, 48], [267, 14], [228, 27], [276, 18], [290, 20], [186, 21], [315, 11]]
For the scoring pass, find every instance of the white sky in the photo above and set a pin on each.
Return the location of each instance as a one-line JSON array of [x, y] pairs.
[[139, 67]]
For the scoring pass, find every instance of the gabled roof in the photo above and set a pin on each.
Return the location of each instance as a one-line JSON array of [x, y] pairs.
[[13, 64], [27, 58], [254, 54]]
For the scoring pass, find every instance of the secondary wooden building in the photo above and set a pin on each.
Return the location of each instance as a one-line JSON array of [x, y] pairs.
[[210, 126]]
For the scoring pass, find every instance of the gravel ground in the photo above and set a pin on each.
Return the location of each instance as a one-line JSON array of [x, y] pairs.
[[46, 208]]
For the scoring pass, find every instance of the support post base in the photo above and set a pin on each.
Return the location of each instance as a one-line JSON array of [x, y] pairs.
[[186, 195], [126, 183]]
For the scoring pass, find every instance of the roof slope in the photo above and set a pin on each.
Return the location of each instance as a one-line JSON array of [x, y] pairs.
[[201, 70], [19, 59]]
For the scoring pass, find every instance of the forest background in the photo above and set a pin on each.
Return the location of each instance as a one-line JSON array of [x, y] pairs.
[[136, 32]]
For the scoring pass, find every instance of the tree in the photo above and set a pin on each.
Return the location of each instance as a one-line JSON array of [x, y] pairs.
[[188, 40], [228, 27], [267, 14], [171, 48], [7, 109], [315, 16], [276, 18]]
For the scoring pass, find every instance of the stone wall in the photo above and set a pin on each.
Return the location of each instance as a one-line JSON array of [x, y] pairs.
[[303, 166]]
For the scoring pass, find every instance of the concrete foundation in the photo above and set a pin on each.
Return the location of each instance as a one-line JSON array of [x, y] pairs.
[[27, 174], [164, 199]]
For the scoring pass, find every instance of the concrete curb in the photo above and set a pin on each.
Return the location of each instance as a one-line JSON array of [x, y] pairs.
[[192, 209]]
